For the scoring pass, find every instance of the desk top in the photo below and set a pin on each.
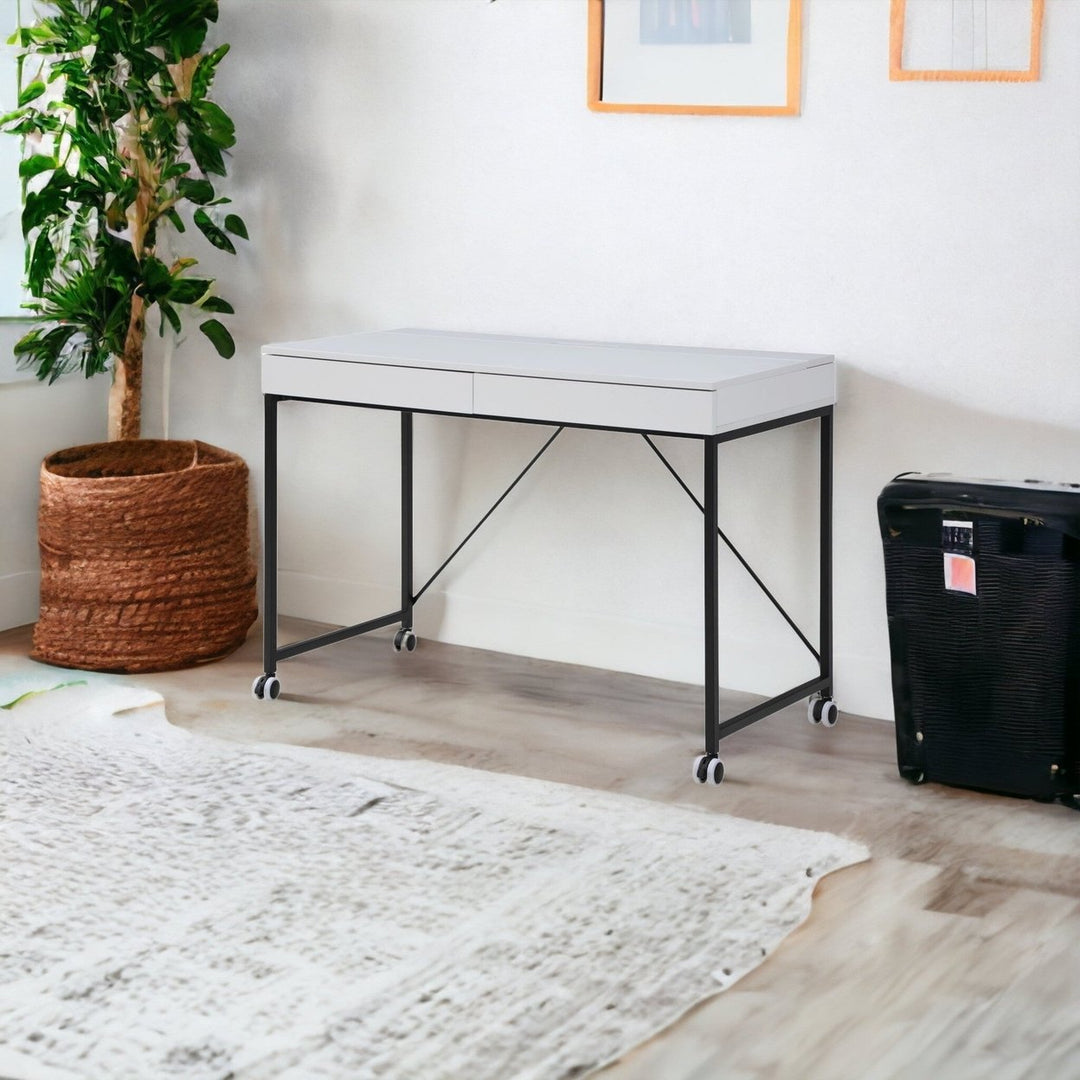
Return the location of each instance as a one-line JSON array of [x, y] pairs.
[[547, 358], [659, 388]]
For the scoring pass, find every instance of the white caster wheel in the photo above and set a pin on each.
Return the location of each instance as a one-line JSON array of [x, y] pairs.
[[266, 688], [405, 639], [708, 769], [822, 711]]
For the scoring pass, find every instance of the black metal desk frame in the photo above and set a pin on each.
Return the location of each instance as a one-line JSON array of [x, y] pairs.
[[715, 728]]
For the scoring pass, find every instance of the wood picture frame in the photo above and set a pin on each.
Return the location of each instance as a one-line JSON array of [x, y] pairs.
[[744, 55], [899, 73]]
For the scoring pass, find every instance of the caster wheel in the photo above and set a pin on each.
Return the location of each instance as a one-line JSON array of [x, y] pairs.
[[822, 711], [708, 769], [405, 639], [266, 688]]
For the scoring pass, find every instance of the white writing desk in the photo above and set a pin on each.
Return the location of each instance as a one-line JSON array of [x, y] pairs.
[[714, 395]]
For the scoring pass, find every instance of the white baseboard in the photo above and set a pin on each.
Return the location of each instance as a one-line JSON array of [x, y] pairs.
[[864, 685], [19, 598], [330, 600], [659, 650]]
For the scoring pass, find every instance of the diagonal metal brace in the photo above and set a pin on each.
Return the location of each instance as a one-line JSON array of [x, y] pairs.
[[498, 502], [735, 551]]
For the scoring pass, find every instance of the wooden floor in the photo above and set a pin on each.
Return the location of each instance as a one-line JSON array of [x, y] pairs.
[[953, 952]]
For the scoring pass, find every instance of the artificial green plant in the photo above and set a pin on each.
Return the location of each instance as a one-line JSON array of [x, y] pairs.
[[123, 147]]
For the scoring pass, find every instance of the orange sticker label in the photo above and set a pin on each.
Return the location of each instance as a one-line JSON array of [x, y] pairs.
[[959, 573]]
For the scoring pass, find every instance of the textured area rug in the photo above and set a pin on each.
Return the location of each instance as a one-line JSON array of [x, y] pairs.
[[178, 906]]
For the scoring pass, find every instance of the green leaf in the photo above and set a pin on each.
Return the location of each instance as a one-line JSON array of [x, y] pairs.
[[31, 92], [235, 224], [44, 351], [46, 690], [23, 345], [157, 281], [216, 236], [189, 290], [170, 313], [178, 168], [217, 123], [220, 337], [210, 131], [218, 303], [36, 163], [186, 41], [42, 264], [204, 73], [196, 191], [46, 206], [206, 153], [176, 219], [31, 35], [31, 123]]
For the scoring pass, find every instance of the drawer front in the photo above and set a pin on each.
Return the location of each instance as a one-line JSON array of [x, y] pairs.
[[368, 384], [761, 400], [648, 408]]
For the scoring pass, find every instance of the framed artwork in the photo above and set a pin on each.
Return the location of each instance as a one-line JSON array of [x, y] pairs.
[[735, 57], [965, 40]]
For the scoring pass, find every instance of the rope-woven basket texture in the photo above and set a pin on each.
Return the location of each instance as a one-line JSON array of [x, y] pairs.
[[146, 560]]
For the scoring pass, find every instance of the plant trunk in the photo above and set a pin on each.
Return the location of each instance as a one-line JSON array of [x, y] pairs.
[[125, 395]]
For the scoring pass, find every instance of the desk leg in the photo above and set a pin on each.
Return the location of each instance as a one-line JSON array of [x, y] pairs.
[[267, 685], [825, 607], [405, 638], [708, 768], [270, 602]]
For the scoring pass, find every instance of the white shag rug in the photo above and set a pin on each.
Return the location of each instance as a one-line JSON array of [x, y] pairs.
[[175, 906]]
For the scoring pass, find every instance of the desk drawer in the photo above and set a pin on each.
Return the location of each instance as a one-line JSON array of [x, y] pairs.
[[617, 405], [368, 384]]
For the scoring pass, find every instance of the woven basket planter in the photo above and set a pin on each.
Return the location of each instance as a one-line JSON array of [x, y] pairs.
[[146, 558]]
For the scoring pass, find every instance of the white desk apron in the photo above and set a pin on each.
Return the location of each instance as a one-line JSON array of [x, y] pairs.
[[714, 395]]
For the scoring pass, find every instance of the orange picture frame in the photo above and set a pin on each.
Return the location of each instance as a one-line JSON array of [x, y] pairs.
[[793, 59], [898, 73]]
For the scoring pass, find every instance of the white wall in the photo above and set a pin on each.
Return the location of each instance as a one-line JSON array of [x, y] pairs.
[[432, 162], [34, 421]]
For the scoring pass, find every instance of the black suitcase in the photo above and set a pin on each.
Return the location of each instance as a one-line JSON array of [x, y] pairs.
[[983, 599]]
